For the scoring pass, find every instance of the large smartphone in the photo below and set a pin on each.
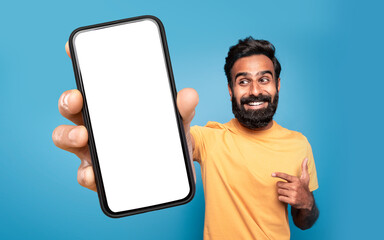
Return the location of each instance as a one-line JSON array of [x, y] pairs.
[[136, 136]]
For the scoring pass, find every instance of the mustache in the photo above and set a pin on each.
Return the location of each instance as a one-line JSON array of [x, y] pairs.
[[258, 98]]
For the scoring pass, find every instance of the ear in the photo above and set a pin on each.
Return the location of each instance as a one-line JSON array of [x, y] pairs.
[[278, 85], [230, 91]]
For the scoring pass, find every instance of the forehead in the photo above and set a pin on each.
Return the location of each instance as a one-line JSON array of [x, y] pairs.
[[252, 64]]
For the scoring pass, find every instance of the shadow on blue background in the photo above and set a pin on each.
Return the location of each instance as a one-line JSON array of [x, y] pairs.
[[331, 55]]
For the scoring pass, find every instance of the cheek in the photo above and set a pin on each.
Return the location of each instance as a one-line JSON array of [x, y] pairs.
[[239, 92], [271, 90], [237, 95]]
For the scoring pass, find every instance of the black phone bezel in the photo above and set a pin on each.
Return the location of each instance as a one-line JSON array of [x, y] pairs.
[[87, 122]]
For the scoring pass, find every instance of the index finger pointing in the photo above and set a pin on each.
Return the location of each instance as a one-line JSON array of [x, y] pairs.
[[70, 105], [284, 176]]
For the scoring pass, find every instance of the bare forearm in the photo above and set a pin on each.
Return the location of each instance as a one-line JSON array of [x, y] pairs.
[[191, 147], [304, 218], [295, 192]]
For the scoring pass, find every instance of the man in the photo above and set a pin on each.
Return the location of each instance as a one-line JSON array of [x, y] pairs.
[[252, 168]]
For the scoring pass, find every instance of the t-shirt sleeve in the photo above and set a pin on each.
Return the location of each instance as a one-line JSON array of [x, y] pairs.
[[199, 151], [313, 183]]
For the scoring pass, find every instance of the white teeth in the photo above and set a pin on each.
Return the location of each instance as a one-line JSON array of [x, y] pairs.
[[255, 103]]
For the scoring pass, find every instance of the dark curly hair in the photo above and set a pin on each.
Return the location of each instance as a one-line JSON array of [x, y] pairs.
[[248, 47]]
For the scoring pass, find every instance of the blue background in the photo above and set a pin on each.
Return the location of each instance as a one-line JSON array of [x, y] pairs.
[[331, 53]]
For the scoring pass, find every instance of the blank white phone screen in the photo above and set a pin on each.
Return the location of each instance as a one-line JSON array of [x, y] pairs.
[[126, 84]]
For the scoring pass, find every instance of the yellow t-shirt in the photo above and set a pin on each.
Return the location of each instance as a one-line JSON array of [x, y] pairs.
[[240, 193]]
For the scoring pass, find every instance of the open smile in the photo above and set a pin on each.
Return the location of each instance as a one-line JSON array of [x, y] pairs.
[[256, 105]]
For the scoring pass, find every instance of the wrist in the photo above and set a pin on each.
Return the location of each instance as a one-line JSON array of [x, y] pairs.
[[309, 205]]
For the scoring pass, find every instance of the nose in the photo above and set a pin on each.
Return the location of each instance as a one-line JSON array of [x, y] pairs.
[[254, 89]]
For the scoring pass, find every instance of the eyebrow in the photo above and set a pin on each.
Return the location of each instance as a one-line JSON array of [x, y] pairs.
[[248, 74]]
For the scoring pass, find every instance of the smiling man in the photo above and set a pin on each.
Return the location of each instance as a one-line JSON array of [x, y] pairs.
[[252, 168]]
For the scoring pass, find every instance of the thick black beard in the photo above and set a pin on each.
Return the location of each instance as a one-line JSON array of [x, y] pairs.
[[254, 119]]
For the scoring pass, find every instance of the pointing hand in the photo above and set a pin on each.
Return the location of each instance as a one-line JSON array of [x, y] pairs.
[[295, 190]]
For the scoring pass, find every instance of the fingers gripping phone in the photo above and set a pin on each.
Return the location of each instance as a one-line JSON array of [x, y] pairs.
[[136, 136]]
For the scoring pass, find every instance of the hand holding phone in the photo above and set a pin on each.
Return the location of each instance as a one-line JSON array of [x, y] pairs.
[[105, 197]]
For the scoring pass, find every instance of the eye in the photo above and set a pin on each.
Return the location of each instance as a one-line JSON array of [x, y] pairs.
[[264, 80], [243, 81]]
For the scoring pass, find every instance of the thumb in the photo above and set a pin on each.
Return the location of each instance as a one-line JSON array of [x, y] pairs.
[[187, 100], [304, 170]]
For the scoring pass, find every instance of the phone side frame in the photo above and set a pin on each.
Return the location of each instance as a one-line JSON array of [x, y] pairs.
[[91, 143]]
